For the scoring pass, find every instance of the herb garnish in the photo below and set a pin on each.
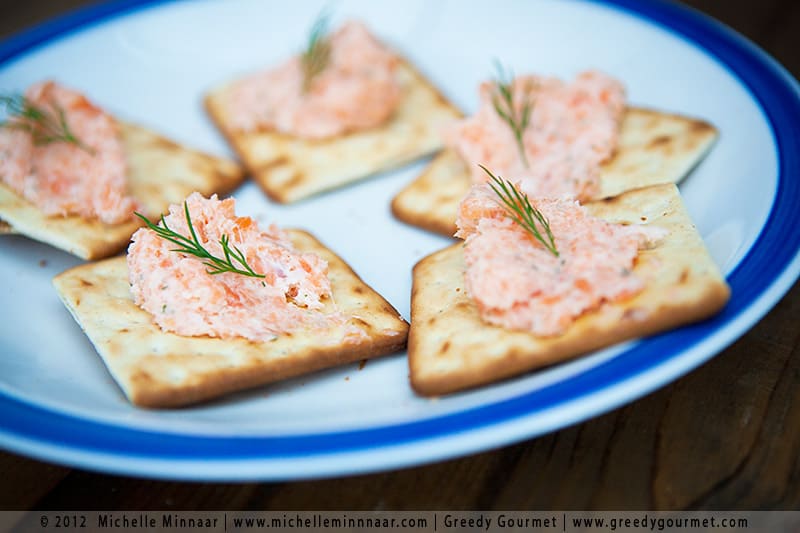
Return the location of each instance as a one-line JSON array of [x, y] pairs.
[[521, 211], [216, 265], [504, 105], [318, 51], [45, 126]]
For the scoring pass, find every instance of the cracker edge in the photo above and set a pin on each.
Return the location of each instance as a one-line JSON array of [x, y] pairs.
[[426, 220]]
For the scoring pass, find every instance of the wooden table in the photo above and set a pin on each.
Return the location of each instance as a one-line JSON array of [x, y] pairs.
[[726, 436]]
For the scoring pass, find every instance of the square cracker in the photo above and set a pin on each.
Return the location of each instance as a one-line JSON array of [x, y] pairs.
[[450, 348], [160, 173], [653, 148], [289, 168], [159, 369]]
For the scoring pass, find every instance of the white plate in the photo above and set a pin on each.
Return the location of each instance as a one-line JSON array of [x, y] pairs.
[[150, 62]]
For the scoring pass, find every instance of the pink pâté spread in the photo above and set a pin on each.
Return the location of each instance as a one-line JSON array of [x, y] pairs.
[[184, 298], [518, 284], [63, 178], [572, 129], [357, 90]]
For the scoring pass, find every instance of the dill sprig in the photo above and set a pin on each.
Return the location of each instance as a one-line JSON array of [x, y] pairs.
[[521, 211], [45, 126], [216, 265], [504, 105], [317, 54]]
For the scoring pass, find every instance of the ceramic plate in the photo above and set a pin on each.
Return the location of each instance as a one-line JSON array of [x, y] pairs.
[[150, 62]]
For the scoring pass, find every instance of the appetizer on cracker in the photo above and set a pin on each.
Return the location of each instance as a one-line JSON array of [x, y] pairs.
[[577, 140], [207, 303], [344, 109], [71, 175], [540, 281]]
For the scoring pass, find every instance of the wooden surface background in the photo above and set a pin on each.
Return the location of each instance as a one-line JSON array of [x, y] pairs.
[[726, 436]]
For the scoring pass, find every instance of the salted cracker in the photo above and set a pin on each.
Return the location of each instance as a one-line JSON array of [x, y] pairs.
[[159, 369], [289, 168], [450, 348], [653, 148], [160, 173]]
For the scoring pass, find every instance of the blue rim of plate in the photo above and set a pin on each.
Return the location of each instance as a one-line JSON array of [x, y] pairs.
[[765, 273]]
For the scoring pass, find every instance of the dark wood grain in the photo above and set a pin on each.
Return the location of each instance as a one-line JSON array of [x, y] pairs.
[[726, 436], [25, 481], [773, 24]]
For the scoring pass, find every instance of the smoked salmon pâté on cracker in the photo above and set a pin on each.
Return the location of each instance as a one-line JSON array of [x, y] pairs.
[[346, 108], [71, 175], [579, 139], [178, 327], [536, 311]]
